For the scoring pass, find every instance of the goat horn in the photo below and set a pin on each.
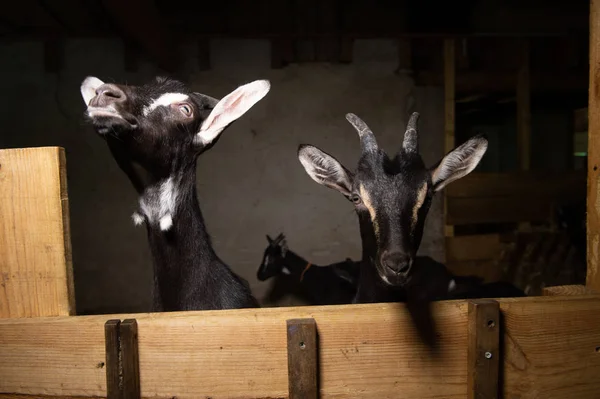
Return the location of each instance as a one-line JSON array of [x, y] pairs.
[[367, 138], [411, 142]]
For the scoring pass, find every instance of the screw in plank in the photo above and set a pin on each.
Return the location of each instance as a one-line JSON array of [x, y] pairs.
[[488, 355]]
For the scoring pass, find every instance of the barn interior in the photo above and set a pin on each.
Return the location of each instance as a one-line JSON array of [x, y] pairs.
[[514, 70]]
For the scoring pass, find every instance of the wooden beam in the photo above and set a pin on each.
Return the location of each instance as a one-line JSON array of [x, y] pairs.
[[567, 290], [449, 111], [36, 270], [593, 193], [303, 355], [483, 349], [524, 110], [140, 21]]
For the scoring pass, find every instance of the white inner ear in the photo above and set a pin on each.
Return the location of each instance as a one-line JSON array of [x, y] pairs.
[[230, 108], [323, 169], [88, 88], [459, 163]]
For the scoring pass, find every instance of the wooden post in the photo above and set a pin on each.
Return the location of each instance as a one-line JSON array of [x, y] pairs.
[[113, 369], [524, 109], [449, 115], [593, 193], [302, 359], [483, 349], [130, 359], [36, 271]]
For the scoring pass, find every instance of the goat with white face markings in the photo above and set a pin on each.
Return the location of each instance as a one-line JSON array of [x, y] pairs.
[[155, 132], [392, 198]]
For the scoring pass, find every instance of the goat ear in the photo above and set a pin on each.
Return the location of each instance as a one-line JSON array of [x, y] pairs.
[[230, 108], [325, 169], [459, 162], [207, 102], [269, 239]]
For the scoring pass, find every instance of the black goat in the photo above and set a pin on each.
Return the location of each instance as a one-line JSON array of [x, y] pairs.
[[294, 275], [392, 198], [155, 133]]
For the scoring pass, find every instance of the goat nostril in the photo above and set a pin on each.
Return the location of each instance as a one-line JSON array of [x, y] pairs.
[[112, 94]]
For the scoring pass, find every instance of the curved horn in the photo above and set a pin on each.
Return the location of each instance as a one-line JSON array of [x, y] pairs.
[[367, 138], [411, 142]]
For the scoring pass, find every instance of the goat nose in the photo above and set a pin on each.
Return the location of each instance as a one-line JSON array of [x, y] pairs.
[[108, 94], [397, 262]]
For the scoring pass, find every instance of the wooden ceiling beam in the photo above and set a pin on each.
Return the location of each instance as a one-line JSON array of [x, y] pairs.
[[140, 21]]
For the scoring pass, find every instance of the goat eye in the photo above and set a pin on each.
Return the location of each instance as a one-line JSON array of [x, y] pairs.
[[355, 198], [185, 109]]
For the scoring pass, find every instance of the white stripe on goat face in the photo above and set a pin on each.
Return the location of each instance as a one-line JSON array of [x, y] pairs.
[[165, 100]]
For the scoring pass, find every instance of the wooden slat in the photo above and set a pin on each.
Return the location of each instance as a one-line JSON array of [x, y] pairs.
[[567, 290], [366, 351], [483, 349], [112, 364], [514, 184], [473, 247], [36, 275], [302, 359], [130, 359], [499, 210], [593, 193], [550, 347]]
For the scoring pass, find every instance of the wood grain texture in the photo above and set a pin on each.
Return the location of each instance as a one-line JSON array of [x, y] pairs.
[[567, 290], [112, 364], [483, 349], [593, 187], [130, 359], [366, 351], [551, 347], [36, 271], [302, 359]]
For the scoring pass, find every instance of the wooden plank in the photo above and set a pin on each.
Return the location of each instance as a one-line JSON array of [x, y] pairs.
[[112, 364], [524, 110], [449, 113], [19, 396], [519, 183], [36, 271], [550, 347], [473, 247], [302, 359], [593, 188], [129, 355], [567, 290], [483, 349], [365, 351], [463, 211]]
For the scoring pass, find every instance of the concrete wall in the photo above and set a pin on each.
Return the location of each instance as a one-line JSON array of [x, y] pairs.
[[250, 183]]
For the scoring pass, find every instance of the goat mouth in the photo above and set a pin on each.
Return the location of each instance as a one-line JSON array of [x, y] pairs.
[[106, 119]]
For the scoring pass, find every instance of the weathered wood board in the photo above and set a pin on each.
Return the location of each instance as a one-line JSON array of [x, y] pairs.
[[36, 276], [550, 351]]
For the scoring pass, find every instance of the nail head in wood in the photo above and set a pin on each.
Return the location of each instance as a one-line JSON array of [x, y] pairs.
[[302, 358], [483, 352]]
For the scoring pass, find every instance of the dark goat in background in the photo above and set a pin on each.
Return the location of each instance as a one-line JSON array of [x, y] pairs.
[[314, 284], [155, 132]]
